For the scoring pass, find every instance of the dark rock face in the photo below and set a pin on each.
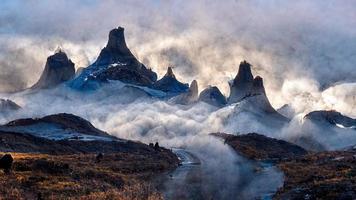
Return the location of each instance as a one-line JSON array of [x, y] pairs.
[[213, 96], [115, 62], [116, 51], [59, 68], [188, 97], [124, 75], [6, 163], [242, 84], [7, 105], [331, 117], [170, 84]]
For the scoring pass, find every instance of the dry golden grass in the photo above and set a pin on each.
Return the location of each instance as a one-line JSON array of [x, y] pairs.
[[326, 175], [80, 176]]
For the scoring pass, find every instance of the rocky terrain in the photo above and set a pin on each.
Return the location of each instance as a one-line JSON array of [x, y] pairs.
[[324, 175], [89, 165]]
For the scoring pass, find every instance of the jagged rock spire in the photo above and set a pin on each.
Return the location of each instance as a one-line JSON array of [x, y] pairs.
[[59, 68], [257, 86], [242, 84], [244, 75], [193, 90], [170, 73], [117, 41], [116, 52]]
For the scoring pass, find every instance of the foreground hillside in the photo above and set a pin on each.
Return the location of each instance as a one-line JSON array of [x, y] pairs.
[[322, 175], [83, 176], [63, 156]]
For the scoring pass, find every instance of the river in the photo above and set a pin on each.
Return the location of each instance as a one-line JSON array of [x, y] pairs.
[[195, 179]]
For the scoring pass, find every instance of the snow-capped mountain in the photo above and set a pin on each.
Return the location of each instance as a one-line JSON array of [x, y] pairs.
[[115, 62]]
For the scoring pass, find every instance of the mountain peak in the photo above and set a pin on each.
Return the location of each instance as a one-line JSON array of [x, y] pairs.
[[244, 75], [242, 84], [193, 90], [117, 41], [213, 96], [188, 97], [258, 87], [169, 83], [170, 73], [115, 62], [58, 69]]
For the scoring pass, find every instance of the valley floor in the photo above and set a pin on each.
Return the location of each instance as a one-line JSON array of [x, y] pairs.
[[80, 176]]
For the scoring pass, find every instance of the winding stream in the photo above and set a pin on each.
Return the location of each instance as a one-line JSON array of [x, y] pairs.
[[194, 180]]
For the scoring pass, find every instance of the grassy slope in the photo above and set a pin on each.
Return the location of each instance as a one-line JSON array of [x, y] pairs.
[[324, 175], [78, 176]]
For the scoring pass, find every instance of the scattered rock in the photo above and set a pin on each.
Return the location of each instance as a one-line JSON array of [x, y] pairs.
[[99, 157], [6, 163]]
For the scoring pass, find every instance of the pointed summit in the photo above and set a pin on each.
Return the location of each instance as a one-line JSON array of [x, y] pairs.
[[117, 41], [244, 75], [242, 83], [170, 73], [117, 54], [115, 62], [116, 51], [193, 89], [170, 84], [257, 86], [59, 68]]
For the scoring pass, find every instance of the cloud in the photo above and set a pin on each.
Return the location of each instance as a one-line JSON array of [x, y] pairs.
[[286, 41]]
